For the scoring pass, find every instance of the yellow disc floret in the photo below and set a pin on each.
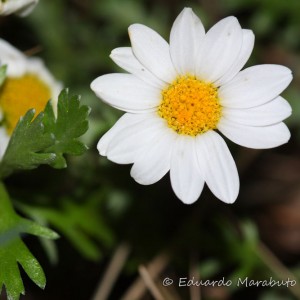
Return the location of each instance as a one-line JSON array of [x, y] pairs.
[[190, 106], [18, 95]]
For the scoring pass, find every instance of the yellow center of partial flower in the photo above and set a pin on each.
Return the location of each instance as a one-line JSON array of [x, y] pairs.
[[190, 106], [18, 95]]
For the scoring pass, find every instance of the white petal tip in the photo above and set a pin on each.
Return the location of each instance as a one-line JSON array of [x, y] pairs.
[[115, 52], [229, 196], [112, 54], [229, 200], [229, 19], [140, 180], [288, 70], [282, 70], [283, 136], [134, 27], [187, 10], [288, 136], [249, 33], [101, 149], [232, 18], [94, 84], [186, 200], [102, 152]]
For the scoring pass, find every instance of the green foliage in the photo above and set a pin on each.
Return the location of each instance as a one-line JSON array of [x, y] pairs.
[[209, 268], [24, 151], [80, 223], [243, 249], [71, 123], [45, 139], [13, 251], [2, 74]]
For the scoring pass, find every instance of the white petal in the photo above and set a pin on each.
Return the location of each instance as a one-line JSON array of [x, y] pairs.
[[255, 86], [270, 113], [36, 66], [13, 58], [131, 142], [255, 137], [152, 51], [186, 35], [18, 65], [126, 120], [126, 92], [220, 49], [185, 175], [245, 52], [21, 7], [154, 162], [125, 58], [218, 166]]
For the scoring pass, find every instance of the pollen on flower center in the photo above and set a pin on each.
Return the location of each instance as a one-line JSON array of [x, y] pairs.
[[190, 106], [18, 95]]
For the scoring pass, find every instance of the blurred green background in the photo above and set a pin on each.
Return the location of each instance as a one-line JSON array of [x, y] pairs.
[[101, 213]]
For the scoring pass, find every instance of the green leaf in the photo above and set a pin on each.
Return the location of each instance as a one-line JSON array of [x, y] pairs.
[[2, 74], [26, 144], [46, 139], [48, 245], [13, 251], [209, 268], [243, 249], [71, 123]]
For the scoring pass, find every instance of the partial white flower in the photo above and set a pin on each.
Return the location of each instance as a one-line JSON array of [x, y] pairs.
[[177, 95], [20, 7], [28, 85]]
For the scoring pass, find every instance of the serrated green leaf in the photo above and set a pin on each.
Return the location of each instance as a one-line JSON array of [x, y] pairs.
[[10, 274], [71, 123], [13, 251], [26, 144], [45, 139], [2, 74], [38, 230], [49, 245], [31, 266]]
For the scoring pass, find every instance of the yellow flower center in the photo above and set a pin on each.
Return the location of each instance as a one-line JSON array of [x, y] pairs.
[[18, 95], [190, 106]]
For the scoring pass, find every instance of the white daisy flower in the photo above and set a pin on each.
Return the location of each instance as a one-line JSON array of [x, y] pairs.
[[28, 84], [20, 7], [178, 95]]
